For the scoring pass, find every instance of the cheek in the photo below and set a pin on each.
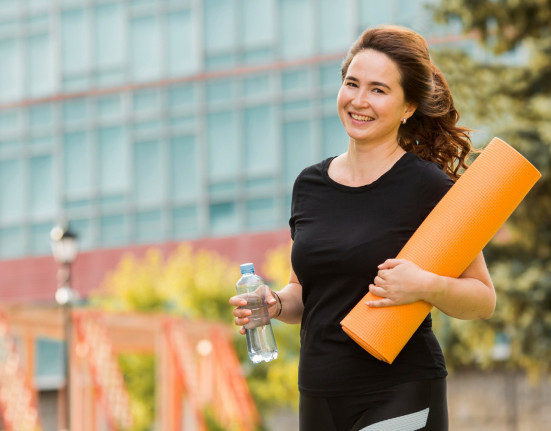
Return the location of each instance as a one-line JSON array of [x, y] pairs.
[[341, 103], [340, 99], [341, 108]]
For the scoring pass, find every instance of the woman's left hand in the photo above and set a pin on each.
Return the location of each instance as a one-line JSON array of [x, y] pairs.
[[399, 282]]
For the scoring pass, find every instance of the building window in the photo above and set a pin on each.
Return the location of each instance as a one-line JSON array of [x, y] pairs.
[[296, 28], [335, 33], [11, 73], [148, 174], [149, 226], [145, 52], [114, 230], [12, 196], [77, 163], [74, 46], [260, 136], [42, 192], [183, 57], [224, 219], [223, 145], [184, 168], [112, 160], [185, 222], [109, 36], [298, 150], [219, 25]]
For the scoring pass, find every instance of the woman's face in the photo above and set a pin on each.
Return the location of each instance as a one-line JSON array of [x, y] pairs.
[[371, 102]]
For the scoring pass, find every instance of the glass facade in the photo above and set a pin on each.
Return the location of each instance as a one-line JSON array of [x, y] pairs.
[[142, 121]]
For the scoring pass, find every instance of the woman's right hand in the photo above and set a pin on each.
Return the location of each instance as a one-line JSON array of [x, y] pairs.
[[242, 313]]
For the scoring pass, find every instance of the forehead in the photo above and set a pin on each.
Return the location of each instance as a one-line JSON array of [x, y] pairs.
[[374, 66]]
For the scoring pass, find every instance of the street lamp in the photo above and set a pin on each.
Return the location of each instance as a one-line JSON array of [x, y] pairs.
[[65, 250]]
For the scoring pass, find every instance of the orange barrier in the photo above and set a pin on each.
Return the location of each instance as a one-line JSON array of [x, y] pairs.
[[447, 241], [95, 345], [18, 399]]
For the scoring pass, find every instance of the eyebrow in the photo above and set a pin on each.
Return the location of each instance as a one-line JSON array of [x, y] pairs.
[[373, 83]]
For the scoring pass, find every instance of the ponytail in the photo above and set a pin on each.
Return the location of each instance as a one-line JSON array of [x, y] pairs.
[[432, 132]]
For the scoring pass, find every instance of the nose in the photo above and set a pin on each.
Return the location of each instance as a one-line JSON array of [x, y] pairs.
[[361, 99]]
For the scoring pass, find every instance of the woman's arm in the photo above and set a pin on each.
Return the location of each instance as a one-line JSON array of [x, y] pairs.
[[291, 301], [471, 296], [291, 304]]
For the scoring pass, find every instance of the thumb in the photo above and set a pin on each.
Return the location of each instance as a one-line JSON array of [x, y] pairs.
[[271, 299]]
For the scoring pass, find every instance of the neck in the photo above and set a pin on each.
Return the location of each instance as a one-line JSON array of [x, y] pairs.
[[366, 163]]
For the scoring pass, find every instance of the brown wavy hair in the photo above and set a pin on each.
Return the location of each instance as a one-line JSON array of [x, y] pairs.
[[431, 132]]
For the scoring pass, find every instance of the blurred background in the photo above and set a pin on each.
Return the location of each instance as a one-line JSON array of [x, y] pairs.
[[148, 147]]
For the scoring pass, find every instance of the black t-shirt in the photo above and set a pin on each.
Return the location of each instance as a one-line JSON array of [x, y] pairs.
[[340, 235]]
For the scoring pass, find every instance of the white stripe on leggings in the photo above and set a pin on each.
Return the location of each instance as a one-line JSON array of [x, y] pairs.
[[411, 422]]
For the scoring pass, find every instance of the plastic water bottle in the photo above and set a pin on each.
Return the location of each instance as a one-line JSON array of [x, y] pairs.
[[261, 343]]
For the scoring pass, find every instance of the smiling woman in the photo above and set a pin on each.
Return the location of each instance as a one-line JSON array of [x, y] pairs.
[[350, 216]]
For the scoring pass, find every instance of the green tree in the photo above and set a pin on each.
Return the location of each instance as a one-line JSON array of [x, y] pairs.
[[514, 103]]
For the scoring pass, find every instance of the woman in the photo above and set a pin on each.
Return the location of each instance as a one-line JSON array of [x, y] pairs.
[[350, 216]]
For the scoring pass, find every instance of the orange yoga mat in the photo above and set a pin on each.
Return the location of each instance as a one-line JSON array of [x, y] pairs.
[[447, 241]]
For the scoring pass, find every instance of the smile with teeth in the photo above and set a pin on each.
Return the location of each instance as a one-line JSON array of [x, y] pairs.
[[361, 117]]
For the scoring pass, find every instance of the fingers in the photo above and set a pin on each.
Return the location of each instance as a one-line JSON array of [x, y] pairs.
[[380, 303], [377, 290], [385, 272], [390, 263], [378, 281], [383, 301], [241, 314], [382, 276], [237, 301], [241, 321]]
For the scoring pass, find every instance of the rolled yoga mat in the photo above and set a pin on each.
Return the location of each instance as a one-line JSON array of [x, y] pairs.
[[447, 241]]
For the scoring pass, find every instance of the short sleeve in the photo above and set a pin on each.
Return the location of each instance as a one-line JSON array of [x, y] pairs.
[[434, 185], [293, 217]]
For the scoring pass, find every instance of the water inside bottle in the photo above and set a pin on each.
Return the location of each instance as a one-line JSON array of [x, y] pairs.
[[260, 341]]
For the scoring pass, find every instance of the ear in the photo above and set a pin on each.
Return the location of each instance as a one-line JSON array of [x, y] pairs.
[[410, 109]]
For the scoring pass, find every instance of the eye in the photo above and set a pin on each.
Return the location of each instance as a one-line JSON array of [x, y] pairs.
[[351, 84], [378, 91]]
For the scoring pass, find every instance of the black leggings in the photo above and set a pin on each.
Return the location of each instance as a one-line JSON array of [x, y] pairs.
[[419, 405]]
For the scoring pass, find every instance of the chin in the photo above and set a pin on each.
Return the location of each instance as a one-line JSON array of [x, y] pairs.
[[359, 136]]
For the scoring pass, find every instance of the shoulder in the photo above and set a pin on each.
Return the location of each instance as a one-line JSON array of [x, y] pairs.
[[314, 172], [426, 182], [432, 184], [430, 174]]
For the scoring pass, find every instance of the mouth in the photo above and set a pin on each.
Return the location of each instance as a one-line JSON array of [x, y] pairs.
[[359, 117]]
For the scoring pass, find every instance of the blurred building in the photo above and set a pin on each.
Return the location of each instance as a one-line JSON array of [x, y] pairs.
[[151, 122], [158, 121]]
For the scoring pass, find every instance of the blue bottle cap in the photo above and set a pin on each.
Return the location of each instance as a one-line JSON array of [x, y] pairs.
[[247, 268]]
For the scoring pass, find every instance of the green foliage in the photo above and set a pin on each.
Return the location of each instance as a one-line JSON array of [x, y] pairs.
[[211, 422], [514, 103], [503, 24], [137, 370], [194, 285], [198, 285]]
